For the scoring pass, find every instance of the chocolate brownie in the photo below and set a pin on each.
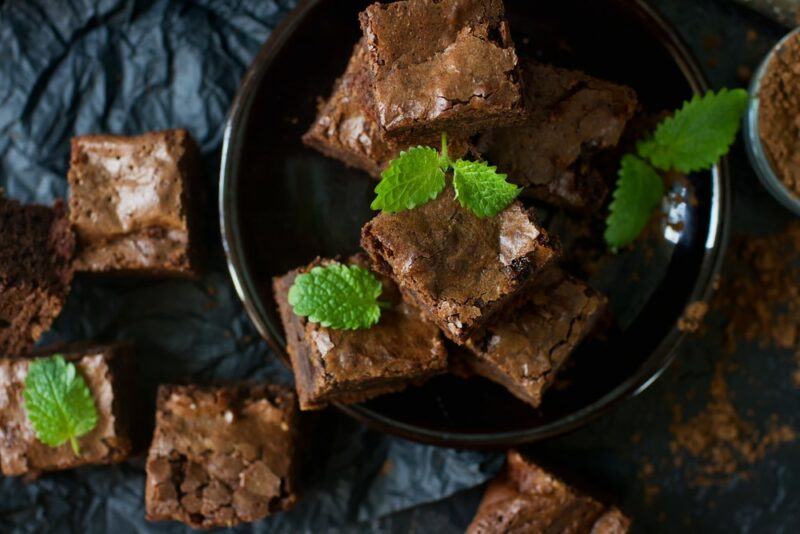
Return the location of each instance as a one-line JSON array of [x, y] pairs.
[[222, 455], [345, 130], [350, 366], [36, 248], [441, 65], [570, 118], [131, 201], [524, 350], [458, 269], [526, 498], [104, 368]]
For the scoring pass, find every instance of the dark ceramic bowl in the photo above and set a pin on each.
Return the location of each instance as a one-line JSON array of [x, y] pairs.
[[283, 204]]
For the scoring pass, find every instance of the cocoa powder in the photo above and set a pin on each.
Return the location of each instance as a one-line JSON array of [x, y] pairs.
[[760, 301], [779, 113], [723, 443]]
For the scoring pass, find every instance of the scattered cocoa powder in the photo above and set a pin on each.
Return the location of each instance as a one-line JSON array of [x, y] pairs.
[[796, 374], [693, 316], [779, 113], [760, 302], [744, 73], [651, 490], [720, 441]]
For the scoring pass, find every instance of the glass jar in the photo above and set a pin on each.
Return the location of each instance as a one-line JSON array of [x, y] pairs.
[[755, 149]]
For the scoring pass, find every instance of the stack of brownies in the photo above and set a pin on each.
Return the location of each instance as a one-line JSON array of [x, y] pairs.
[[488, 291], [492, 286], [220, 455]]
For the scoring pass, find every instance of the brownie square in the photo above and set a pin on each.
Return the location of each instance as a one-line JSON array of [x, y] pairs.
[[526, 498], [222, 455], [131, 201], [104, 368], [458, 269], [524, 350], [571, 117], [345, 129], [441, 66], [36, 248], [350, 366]]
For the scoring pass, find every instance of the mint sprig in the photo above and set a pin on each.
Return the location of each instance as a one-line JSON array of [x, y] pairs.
[[639, 190], [417, 176], [698, 134], [341, 297], [481, 188], [693, 139], [58, 402]]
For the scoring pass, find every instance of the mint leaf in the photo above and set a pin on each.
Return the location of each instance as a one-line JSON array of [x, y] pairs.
[[481, 189], [639, 190], [413, 178], [337, 296], [58, 402], [700, 133]]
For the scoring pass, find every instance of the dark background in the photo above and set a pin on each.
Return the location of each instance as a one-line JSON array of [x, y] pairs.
[[120, 66]]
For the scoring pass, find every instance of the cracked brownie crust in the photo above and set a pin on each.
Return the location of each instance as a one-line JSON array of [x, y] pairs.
[[458, 269], [345, 129], [441, 65], [526, 498], [352, 366], [570, 118], [21, 452], [525, 349], [222, 455], [36, 249], [131, 202]]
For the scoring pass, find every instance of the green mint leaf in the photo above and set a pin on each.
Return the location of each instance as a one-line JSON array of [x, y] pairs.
[[413, 178], [58, 402], [337, 296], [639, 191], [481, 189], [700, 133]]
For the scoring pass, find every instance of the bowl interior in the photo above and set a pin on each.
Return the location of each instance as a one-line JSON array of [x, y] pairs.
[[283, 204]]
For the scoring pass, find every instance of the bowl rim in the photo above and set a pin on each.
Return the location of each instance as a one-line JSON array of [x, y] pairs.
[[756, 152], [649, 371]]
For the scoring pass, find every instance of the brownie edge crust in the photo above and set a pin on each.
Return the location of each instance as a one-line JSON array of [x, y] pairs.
[[350, 366], [36, 250], [104, 368], [459, 270], [222, 455], [526, 498]]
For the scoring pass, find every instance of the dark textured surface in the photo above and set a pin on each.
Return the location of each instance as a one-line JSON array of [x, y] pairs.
[[125, 67]]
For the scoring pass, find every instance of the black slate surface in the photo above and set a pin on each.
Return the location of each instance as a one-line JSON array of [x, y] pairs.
[[119, 66]]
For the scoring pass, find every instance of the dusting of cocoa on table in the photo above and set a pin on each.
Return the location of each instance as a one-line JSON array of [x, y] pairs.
[[651, 490], [720, 441], [779, 113], [760, 301], [693, 316]]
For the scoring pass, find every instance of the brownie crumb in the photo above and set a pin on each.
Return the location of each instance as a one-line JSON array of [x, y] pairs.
[[722, 443], [693, 315], [779, 126]]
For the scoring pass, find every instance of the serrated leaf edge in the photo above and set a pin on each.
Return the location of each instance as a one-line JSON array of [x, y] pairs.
[[647, 148]]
